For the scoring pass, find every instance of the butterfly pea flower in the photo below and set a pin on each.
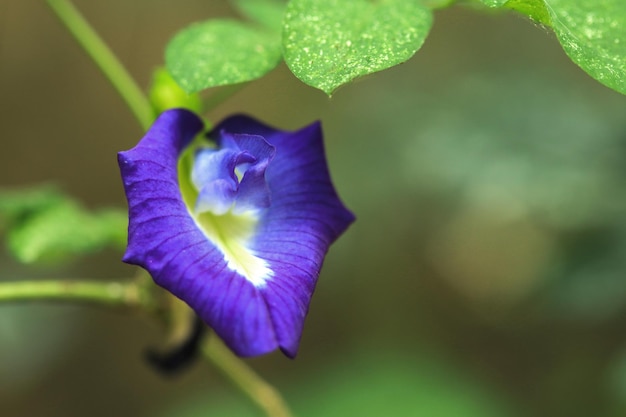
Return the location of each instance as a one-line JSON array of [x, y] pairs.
[[235, 223]]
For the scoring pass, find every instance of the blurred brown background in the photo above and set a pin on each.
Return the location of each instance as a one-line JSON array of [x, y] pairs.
[[485, 274]]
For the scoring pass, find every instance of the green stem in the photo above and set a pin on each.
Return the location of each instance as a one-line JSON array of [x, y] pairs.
[[105, 60], [109, 293], [132, 295], [265, 396]]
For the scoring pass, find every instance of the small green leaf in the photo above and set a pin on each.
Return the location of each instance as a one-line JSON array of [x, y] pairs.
[[268, 13], [328, 43], [17, 205], [220, 52], [65, 230], [42, 224], [593, 34]]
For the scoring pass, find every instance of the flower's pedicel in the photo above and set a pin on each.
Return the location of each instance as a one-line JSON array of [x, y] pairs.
[[238, 228]]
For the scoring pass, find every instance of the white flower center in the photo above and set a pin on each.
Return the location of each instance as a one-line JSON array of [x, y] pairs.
[[230, 232]]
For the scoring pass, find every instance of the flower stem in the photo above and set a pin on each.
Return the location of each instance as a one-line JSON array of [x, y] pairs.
[[265, 396], [109, 293], [131, 294], [105, 60]]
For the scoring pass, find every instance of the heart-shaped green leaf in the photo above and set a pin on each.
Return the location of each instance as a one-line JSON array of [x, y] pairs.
[[221, 52], [328, 43], [593, 34]]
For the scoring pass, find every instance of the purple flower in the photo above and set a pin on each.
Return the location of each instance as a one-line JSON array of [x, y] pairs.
[[237, 226]]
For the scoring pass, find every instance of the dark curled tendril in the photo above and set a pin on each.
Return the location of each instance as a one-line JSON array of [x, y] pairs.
[[180, 357]]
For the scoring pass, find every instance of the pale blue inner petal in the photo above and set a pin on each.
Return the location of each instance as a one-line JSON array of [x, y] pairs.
[[214, 177], [225, 192]]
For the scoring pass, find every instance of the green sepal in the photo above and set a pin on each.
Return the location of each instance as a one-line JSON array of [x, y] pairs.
[[165, 93]]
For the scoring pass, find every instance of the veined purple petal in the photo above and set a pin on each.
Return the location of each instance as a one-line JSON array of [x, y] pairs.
[[297, 216], [304, 218]]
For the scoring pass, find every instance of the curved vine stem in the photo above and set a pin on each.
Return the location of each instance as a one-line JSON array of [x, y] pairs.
[[264, 395], [118, 294], [132, 294], [105, 60]]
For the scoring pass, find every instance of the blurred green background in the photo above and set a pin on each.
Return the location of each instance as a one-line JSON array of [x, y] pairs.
[[484, 276]]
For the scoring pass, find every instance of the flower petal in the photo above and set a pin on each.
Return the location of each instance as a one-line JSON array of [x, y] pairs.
[[292, 235], [304, 218], [214, 176], [164, 239], [254, 192]]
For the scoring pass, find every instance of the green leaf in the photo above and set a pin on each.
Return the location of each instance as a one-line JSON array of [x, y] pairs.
[[593, 34], [15, 205], [42, 224], [268, 13], [438, 4], [494, 3], [328, 43], [535, 9], [220, 52], [65, 230]]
